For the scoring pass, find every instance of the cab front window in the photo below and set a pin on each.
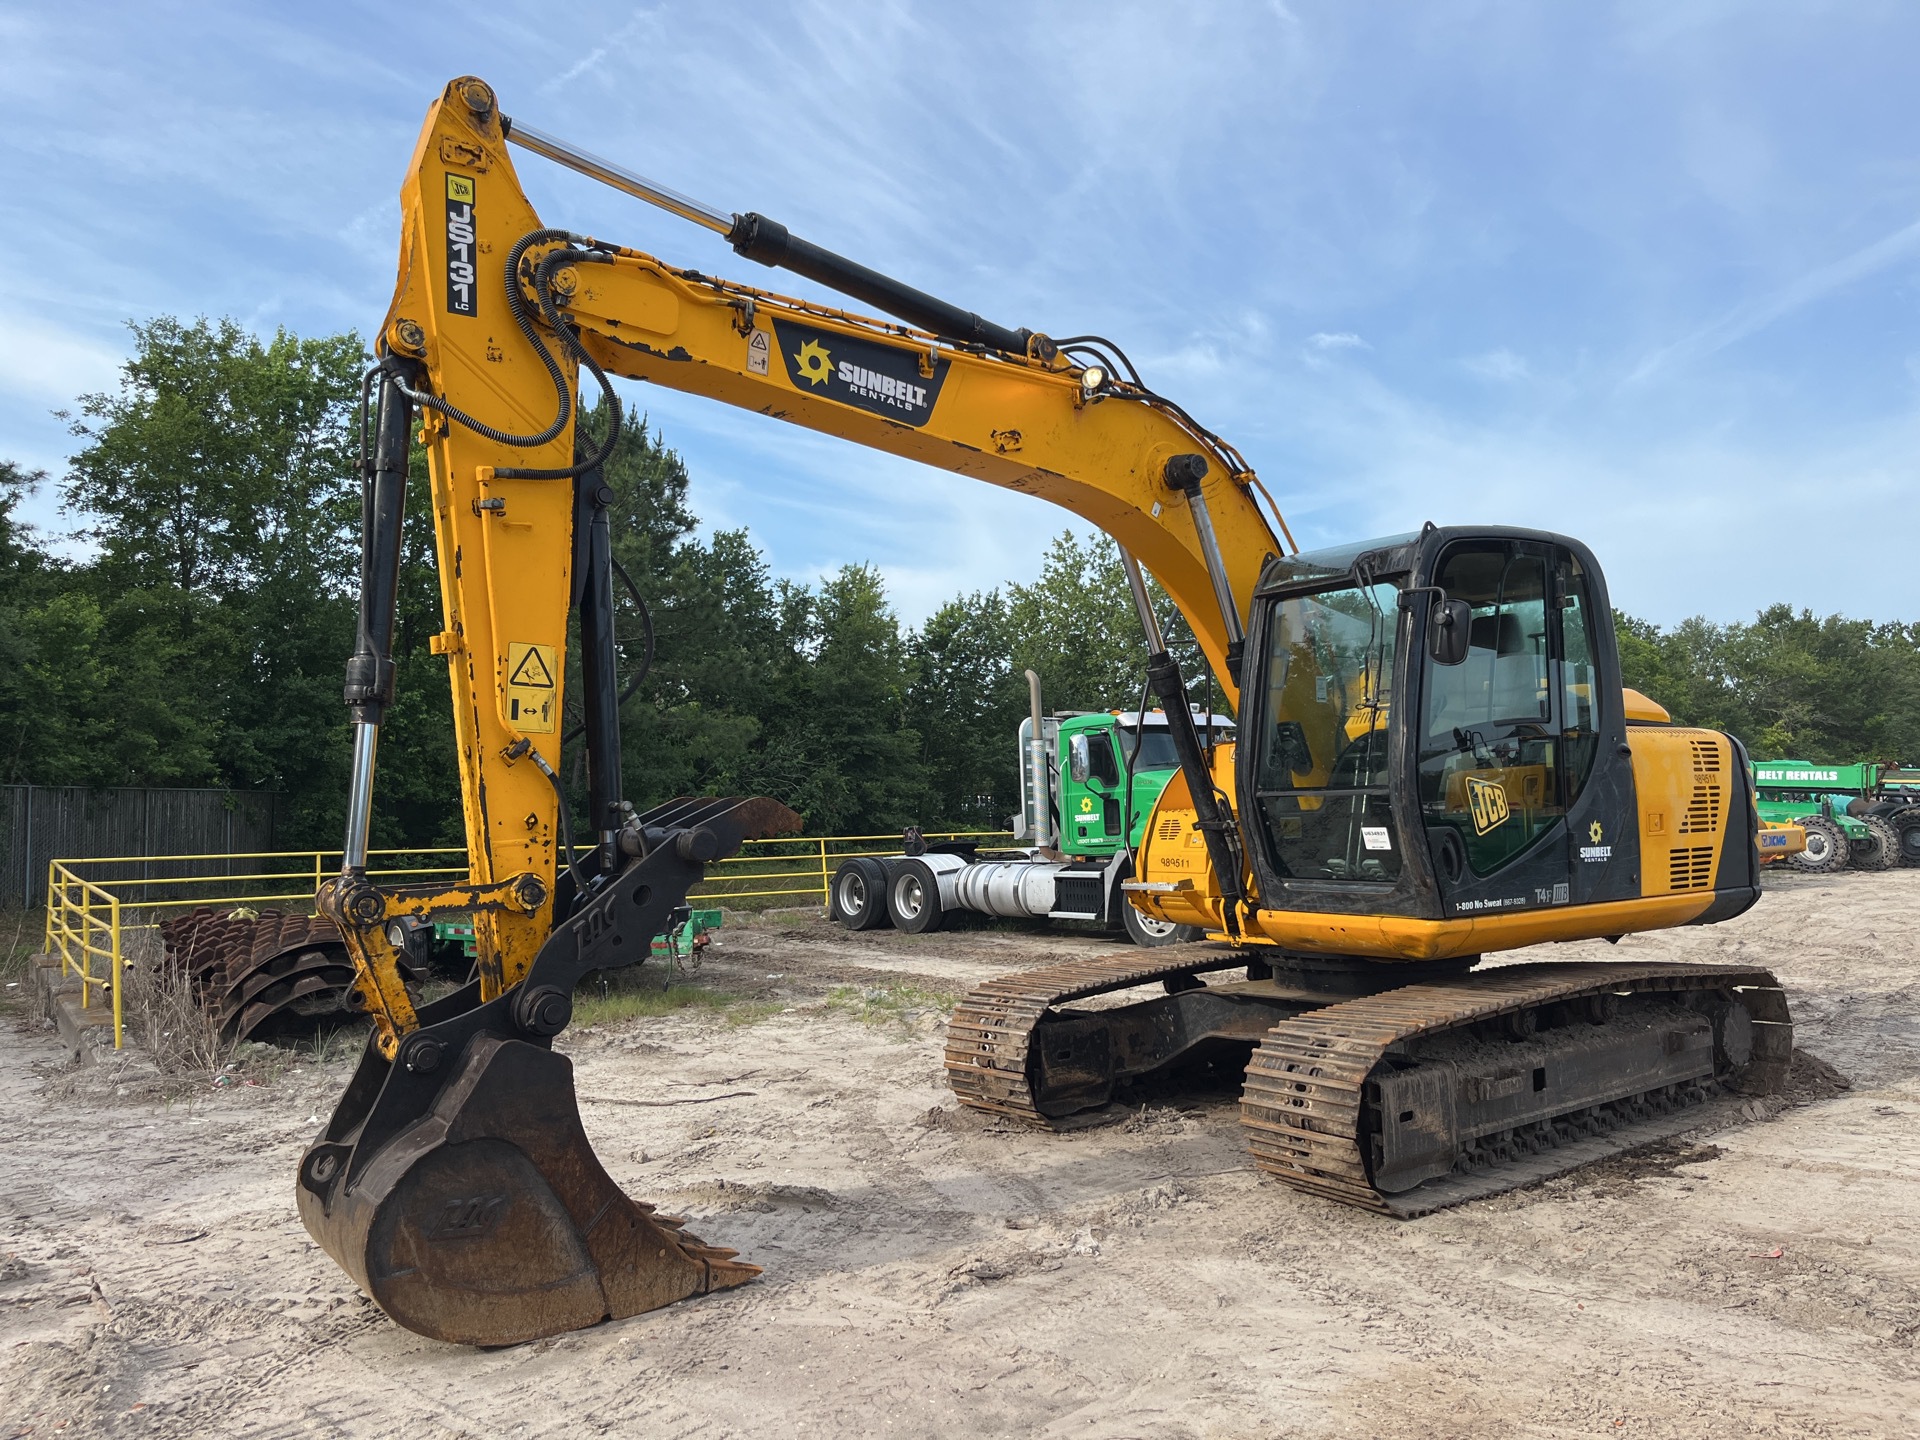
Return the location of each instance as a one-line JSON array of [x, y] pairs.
[[1321, 771]]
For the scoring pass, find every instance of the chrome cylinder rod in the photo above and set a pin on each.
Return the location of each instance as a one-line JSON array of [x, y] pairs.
[[618, 176], [1216, 567], [1149, 622], [366, 745], [768, 242]]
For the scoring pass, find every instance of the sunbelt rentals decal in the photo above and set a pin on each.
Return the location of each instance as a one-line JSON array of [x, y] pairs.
[[460, 246], [880, 379], [1596, 851]]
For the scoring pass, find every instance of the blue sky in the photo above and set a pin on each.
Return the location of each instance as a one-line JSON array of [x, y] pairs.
[[1645, 273]]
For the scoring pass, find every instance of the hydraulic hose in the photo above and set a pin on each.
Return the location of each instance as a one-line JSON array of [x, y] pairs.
[[517, 305]]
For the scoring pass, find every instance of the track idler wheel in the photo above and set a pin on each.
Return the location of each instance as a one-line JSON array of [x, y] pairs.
[[489, 1221]]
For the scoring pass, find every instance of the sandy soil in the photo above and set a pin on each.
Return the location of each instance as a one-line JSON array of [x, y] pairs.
[[929, 1274]]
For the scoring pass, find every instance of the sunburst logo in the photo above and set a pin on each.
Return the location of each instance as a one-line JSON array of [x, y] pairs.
[[1595, 833], [814, 362]]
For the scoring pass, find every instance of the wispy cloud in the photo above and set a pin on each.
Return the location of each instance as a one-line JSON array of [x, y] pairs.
[[1337, 340], [1501, 365], [43, 360], [1756, 314]]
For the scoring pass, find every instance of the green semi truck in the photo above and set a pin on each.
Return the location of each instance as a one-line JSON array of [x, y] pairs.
[[1088, 784], [1866, 816]]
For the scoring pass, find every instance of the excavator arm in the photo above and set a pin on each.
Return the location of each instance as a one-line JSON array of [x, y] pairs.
[[461, 1124], [493, 320]]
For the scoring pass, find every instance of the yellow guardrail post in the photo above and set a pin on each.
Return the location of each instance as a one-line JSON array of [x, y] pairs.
[[115, 961], [824, 882]]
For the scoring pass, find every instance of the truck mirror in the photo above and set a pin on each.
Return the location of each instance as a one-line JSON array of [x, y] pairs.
[[1079, 758], [1449, 629]]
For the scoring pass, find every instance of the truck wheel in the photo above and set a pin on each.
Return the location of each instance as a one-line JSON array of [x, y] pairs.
[[913, 898], [858, 897], [1880, 850], [1827, 848], [1150, 933], [1906, 824]]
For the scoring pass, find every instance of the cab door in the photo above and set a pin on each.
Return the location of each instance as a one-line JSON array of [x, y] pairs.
[[1507, 738], [1094, 784]]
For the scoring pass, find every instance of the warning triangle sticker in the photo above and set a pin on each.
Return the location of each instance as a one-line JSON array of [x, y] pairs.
[[532, 671]]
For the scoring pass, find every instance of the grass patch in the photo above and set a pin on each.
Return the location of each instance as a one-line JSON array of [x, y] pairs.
[[20, 935], [896, 1005], [638, 1004]]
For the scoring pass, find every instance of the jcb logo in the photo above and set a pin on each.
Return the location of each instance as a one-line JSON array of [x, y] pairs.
[[1487, 799], [468, 1218]]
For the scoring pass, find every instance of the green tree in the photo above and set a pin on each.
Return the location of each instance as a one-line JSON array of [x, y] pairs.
[[843, 755], [1076, 627], [1789, 684], [218, 483], [965, 703]]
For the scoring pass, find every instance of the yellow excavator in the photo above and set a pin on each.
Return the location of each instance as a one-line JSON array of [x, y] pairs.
[[1436, 762]]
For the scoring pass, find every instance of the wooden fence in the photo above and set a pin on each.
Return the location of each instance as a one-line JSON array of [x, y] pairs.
[[41, 823]]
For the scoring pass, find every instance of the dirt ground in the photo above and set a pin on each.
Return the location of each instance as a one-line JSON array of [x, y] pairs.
[[929, 1274]]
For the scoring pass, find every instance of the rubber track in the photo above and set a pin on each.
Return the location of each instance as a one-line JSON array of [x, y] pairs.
[[1304, 1104], [988, 1034]]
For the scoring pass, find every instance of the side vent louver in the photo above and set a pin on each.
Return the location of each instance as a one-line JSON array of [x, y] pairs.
[[1704, 810], [1691, 868], [1169, 828]]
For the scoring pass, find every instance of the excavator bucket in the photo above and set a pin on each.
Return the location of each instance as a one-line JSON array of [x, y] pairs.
[[490, 1221], [455, 1182]]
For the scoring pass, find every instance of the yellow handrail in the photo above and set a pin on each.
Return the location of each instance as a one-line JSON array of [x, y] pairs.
[[85, 917]]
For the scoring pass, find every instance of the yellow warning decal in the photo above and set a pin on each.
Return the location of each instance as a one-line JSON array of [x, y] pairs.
[[1488, 801], [460, 187], [533, 691]]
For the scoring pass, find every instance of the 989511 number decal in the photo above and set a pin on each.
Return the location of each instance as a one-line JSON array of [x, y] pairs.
[[460, 247]]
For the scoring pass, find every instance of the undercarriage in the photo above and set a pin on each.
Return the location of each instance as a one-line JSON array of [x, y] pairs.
[[1361, 1087]]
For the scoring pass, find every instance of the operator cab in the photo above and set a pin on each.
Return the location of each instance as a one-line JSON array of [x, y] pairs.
[[1433, 727]]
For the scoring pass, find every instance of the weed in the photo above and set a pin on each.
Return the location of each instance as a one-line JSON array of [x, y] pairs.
[[20, 936], [334, 1042], [634, 1004], [899, 1005], [165, 1016]]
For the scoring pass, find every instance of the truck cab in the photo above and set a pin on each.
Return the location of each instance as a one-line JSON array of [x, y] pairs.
[[1091, 810], [1087, 791]]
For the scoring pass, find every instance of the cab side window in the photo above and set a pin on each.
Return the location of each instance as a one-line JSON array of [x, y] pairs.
[[1101, 763], [1579, 679]]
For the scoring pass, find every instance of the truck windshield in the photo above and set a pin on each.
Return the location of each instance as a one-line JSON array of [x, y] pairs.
[[1156, 744], [1321, 766]]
